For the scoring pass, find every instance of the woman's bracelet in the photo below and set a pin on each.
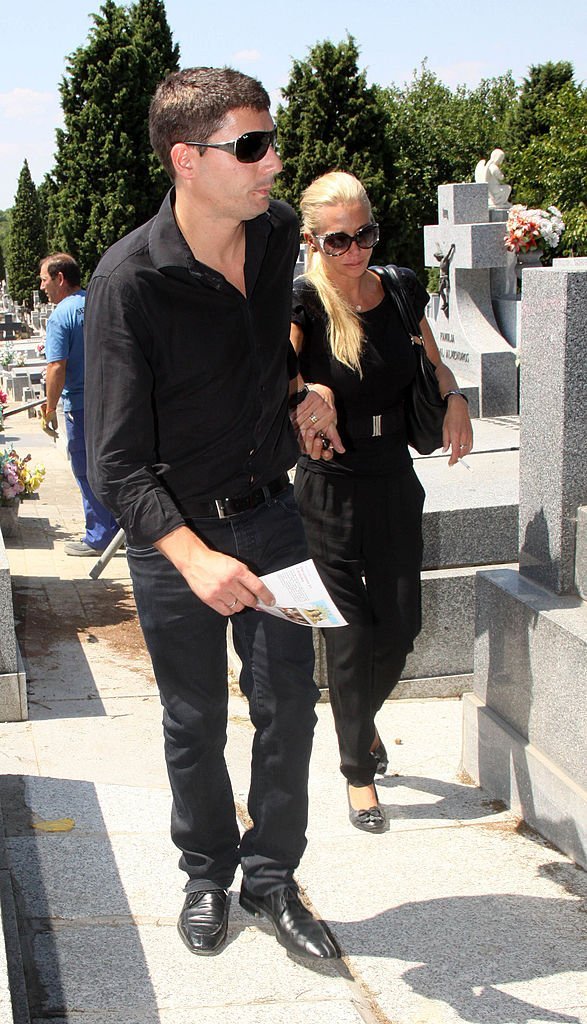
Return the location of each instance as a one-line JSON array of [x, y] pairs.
[[461, 394]]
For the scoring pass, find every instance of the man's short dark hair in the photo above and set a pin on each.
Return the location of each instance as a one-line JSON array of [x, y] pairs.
[[62, 263], [193, 104]]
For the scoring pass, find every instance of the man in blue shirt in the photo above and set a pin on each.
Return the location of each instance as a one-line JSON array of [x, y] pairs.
[[64, 352]]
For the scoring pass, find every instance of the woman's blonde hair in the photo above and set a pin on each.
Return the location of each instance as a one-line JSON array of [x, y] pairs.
[[345, 330]]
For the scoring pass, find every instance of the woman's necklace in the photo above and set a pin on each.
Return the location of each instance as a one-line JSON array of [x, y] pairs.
[[360, 305]]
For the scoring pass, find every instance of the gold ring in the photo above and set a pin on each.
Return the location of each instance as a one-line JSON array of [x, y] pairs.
[[233, 603], [313, 418]]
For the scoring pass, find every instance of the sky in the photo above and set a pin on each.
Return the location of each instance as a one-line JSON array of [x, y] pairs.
[[462, 43]]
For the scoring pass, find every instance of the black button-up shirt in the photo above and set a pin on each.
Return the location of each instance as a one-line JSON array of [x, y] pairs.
[[186, 379]]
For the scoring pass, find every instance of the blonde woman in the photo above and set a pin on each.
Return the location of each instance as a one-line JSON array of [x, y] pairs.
[[363, 509]]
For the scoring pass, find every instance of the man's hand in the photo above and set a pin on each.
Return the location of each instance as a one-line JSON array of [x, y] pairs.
[[49, 422], [54, 383], [314, 420], [220, 581]]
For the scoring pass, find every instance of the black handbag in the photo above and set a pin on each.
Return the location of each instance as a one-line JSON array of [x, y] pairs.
[[425, 409]]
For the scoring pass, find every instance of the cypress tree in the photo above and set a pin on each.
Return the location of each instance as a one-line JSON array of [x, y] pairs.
[[105, 182], [333, 121], [157, 57], [27, 240]]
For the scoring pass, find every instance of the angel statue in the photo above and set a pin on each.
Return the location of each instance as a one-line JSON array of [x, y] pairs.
[[490, 171]]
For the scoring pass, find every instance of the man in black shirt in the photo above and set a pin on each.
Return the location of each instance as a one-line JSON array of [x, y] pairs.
[[189, 443]]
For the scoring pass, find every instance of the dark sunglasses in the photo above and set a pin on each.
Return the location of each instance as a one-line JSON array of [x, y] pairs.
[[338, 242], [248, 148]]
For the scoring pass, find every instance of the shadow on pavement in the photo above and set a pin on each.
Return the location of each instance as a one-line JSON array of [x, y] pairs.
[[470, 948], [81, 948]]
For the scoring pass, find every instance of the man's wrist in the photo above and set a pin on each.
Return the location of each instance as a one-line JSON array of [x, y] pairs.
[[298, 397]]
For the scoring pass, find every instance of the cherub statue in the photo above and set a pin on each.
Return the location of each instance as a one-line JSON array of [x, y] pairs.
[[490, 171]]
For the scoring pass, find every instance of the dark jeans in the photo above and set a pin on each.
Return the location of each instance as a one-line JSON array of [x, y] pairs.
[[365, 536], [187, 644], [101, 527]]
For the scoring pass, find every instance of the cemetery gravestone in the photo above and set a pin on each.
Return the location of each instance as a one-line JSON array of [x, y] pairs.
[[464, 324], [524, 736]]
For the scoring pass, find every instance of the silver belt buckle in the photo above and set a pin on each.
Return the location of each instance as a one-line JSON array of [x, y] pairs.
[[220, 508], [376, 426]]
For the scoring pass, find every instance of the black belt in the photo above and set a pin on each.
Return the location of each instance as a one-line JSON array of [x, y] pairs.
[[224, 507]]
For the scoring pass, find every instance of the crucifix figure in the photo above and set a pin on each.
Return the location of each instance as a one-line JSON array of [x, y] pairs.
[[443, 284]]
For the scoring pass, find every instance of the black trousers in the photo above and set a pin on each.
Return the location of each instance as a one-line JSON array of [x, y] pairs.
[[365, 536], [187, 644]]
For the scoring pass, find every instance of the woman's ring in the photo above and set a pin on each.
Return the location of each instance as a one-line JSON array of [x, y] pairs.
[[313, 418], [233, 603], [463, 446]]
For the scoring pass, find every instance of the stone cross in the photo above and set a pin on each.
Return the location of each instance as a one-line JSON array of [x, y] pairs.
[[467, 332]]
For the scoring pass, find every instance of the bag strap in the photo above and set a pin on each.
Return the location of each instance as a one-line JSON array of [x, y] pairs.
[[394, 286]]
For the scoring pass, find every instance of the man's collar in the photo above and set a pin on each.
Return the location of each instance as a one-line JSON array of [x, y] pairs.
[[170, 252], [167, 246]]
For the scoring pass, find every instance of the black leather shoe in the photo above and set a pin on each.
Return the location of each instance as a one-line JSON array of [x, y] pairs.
[[295, 927], [203, 921], [370, 820], [380, 757]]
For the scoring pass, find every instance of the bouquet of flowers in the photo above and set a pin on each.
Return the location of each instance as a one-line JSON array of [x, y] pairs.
[[17, 477], [533, 229], [7, 357], [41, 350]]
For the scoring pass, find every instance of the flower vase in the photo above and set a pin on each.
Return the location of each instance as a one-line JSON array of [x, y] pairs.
[[9, 517], [528, 259]]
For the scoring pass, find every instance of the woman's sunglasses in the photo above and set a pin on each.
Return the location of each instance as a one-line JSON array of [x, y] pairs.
[[338, 242], [248, 148]]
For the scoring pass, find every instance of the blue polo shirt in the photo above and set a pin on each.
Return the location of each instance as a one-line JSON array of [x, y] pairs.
[[65, 340]]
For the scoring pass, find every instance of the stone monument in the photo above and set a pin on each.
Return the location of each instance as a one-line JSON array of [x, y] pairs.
[[13, 697], [525, 734], [468, 243]]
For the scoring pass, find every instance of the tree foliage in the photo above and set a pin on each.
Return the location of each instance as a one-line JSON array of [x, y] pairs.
[[332, 121], [401, 143], [27, 240], [436, 136], [106, 181], [552, 167], [529, 117], [547, 148]]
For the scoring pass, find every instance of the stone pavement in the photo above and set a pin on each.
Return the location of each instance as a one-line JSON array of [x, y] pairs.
[[457, 913]]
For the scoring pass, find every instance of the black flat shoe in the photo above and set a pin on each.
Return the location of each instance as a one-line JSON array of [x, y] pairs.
[[203, 921], [380, 757], [295, 927], [370, 820]]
